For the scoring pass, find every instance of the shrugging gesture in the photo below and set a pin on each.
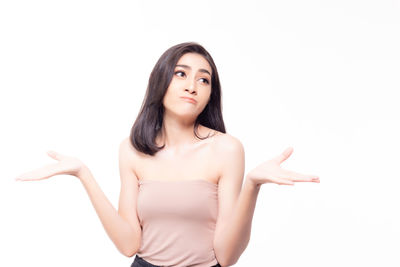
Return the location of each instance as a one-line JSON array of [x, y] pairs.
[[271, 172], [65, 165]]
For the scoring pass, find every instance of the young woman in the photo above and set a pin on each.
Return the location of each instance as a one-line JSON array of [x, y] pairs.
[[181, 201]]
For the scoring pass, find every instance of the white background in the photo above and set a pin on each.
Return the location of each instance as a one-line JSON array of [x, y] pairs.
[[320, 76]]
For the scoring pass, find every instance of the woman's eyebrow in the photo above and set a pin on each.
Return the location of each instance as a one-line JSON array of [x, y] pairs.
[[188, 67]]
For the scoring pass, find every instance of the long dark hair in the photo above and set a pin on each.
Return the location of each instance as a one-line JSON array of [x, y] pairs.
[[149, 121]]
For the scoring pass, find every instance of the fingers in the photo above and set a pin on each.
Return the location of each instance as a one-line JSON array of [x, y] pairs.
[[294, 176], [285, 154], [53, 154], [283, 181], [38, 174], [298, 177], [41, 173], [25, 177]]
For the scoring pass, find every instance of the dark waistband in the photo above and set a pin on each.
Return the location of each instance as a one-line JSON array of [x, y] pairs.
[[140, 262]]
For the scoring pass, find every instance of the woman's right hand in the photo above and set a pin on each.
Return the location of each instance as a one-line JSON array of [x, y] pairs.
[[65, 165]]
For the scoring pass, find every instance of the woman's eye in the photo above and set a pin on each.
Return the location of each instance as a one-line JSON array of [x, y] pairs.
[[182, 74], [179, 72], [205, 80]]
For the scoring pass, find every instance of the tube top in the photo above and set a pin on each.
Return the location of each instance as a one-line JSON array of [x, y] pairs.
[[178, 220]]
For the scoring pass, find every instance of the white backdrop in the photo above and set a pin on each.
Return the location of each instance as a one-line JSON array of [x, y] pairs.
[[320, 76]]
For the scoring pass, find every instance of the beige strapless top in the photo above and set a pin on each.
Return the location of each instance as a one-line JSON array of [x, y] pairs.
[[178, 220]]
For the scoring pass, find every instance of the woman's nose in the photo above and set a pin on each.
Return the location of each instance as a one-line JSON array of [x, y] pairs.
[[191, 85]]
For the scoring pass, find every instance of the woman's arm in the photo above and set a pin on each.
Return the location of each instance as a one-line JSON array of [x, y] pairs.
[[237, 205], [126, 237], [123, 226]]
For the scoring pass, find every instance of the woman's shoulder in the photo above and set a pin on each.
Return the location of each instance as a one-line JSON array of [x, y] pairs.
[[227, 143], [128, 149]]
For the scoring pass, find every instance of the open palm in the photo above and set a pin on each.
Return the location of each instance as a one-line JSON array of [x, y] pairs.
[[271, 172], [65, 165]]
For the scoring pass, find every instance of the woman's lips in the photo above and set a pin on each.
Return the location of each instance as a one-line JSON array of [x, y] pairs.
[[188, 99]]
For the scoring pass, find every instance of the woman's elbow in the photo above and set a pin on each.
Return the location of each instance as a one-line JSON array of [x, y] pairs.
[[129, 251]]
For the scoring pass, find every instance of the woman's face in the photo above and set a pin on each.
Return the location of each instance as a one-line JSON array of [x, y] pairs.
[[192, 79]]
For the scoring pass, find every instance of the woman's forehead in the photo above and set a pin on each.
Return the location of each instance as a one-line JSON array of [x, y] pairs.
[[194, 60]]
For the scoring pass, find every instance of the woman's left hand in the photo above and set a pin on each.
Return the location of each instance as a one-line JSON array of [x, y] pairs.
[[271, 172]]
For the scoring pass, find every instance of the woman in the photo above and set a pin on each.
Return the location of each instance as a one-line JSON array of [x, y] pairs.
[[181, 201]]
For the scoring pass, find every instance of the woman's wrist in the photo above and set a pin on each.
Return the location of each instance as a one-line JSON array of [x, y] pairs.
[[252, 183], [83, 173]]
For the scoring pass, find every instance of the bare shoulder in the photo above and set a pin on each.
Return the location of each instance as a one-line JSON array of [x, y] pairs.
[[228, 151], [225, 144], [128, 154], [126, 145]]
